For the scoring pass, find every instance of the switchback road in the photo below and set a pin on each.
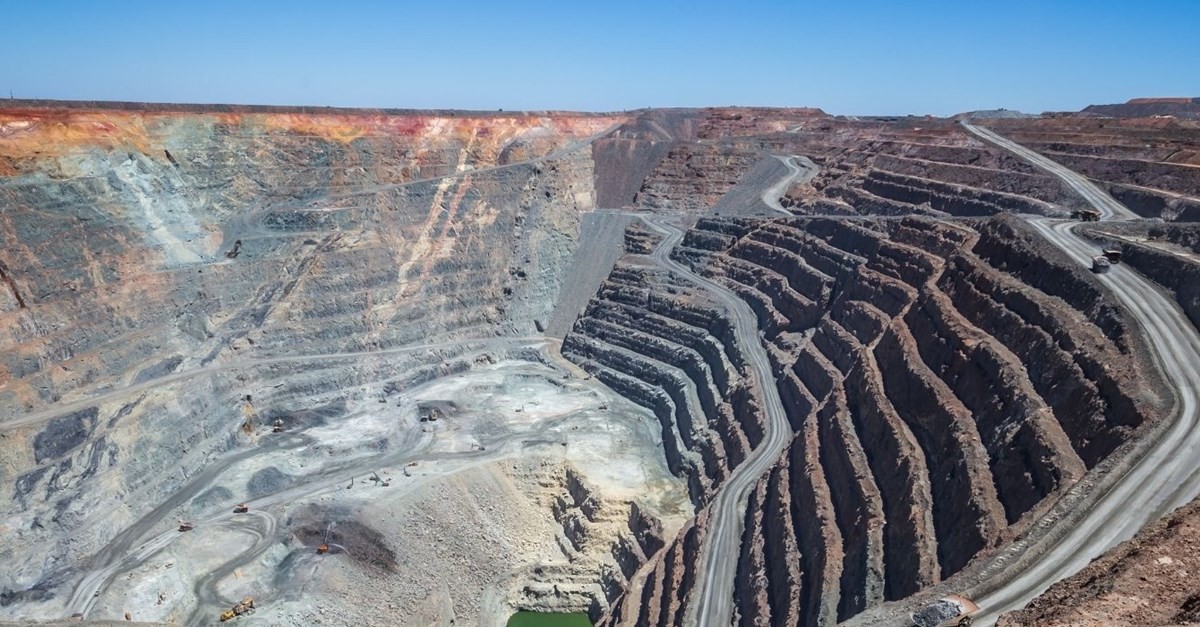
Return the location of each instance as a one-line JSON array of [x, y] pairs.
[[799, 168], [136, 544]]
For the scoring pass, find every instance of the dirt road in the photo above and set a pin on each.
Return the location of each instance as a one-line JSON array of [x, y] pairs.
[[1161, 476], [61, 409], [718, 560]]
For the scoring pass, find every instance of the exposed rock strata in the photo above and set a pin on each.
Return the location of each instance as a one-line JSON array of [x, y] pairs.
[[921, 439], [674, 353], [945, 380], [604, 542], [692, 177], [347, 242]]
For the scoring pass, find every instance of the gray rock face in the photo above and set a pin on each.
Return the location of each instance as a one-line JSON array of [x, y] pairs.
[[63, 434], [187, 272]]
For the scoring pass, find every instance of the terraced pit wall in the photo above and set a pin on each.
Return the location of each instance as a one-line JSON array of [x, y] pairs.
[[931, 167], [921, 440], [1150, 164]]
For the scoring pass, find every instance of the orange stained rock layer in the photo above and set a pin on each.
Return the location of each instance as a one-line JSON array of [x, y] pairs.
[[51, 132]]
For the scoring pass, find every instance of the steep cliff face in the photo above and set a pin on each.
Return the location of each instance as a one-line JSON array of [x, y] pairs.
[[667, 347], [605, 543], [685, 160], [229, 264], [931, 166], [935, 170], [205, 230], [693, 177]]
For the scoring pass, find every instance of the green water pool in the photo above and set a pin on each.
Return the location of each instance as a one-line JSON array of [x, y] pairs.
[[549, 619]]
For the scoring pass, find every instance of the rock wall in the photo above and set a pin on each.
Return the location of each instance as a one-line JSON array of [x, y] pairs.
[[1154, 204], [1014, 181], [622, 165], [1147, 163], [921, 440], [1170, 177], [885, 167], [674, 353], [693, 177], [605, 544], [161, 267]]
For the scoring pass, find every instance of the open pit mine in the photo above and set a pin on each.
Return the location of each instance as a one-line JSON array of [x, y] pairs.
[[291, 366]]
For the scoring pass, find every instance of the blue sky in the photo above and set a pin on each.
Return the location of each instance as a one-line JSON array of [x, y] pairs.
[[849, 57]]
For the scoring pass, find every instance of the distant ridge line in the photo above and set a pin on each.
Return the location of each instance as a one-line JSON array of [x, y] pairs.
[[167, 107]]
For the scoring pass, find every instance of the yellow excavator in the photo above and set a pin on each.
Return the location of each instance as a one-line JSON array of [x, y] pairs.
[[324, 547], [240, 609]]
